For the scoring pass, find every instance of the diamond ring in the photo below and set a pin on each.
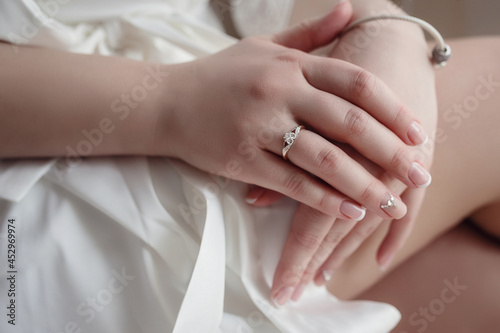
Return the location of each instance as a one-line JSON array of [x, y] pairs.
[[289, 139]]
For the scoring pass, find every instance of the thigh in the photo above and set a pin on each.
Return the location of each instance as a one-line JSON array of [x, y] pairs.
[[466, 164], [453, 297]]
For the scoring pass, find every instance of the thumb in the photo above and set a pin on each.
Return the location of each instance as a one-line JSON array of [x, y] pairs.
[[312, 34]]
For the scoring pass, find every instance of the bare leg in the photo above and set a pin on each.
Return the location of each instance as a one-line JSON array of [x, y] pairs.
[[467, 160], [450, 286]]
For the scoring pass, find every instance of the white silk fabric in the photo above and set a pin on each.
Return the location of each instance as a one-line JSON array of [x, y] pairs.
[[146, 244]]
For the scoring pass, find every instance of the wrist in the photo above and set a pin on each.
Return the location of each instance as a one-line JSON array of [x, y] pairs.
[[167, 103], [136, 92], [155, 123]]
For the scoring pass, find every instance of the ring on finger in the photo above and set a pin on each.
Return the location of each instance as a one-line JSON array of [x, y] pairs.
[[289, 139]]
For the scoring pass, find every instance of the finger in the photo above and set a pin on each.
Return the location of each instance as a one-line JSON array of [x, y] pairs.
[[261, 197], [272, 172], [323, 159], [400, 230], [337, 119], [310, 35], [337, 257], [337, 232], [309, 227], [369, 93], [348, 246]]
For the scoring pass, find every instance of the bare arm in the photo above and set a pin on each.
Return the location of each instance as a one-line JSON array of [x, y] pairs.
[[52, 102]]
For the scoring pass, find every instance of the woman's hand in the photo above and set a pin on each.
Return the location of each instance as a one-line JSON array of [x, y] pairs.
[[234, 107], [317, 245]]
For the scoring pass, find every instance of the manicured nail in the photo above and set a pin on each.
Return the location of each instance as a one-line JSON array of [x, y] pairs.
[[419, 175], [339, 3], [298, 292], [426, 140], [386, 262], [254, 195], [352, 210], [327, 274], [282, 296], [393, 206], [417, 134]]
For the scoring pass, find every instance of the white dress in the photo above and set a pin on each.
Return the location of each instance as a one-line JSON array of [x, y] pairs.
[[146, 244]]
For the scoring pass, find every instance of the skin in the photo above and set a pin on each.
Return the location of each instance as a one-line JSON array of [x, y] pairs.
[[279, 75], [320, 244], [360, 271], [164, 118], [478, 196], [119, 145], [440, 247], [458, 254]]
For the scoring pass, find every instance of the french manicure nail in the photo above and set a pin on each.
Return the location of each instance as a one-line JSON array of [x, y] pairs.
[[251, 201], [386, 262], [426, 140], [327, 274], [254, 195], [298, 292], [419, 176], [352, 210], [417, 134], [282, 296]]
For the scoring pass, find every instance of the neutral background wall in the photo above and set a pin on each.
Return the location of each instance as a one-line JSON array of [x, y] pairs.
[[454, 18]]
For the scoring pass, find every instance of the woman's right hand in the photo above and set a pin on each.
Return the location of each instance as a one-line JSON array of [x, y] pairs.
[[233, 108]]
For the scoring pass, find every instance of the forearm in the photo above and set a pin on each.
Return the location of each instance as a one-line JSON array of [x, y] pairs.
[[52, 103]]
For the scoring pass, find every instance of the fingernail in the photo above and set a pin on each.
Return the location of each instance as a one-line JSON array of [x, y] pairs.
[[417, 134], [327, 274], [419, 175], [386, 262], [393, 206], [282, 296], [352, 210], [324, 277], [339, 3], [254, 195], [298, 291]]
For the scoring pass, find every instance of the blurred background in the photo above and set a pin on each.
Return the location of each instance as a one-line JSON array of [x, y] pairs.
[[457, 18], [453, 18]]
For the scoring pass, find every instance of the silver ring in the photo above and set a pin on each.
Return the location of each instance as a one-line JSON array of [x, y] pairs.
[[289, 139]]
